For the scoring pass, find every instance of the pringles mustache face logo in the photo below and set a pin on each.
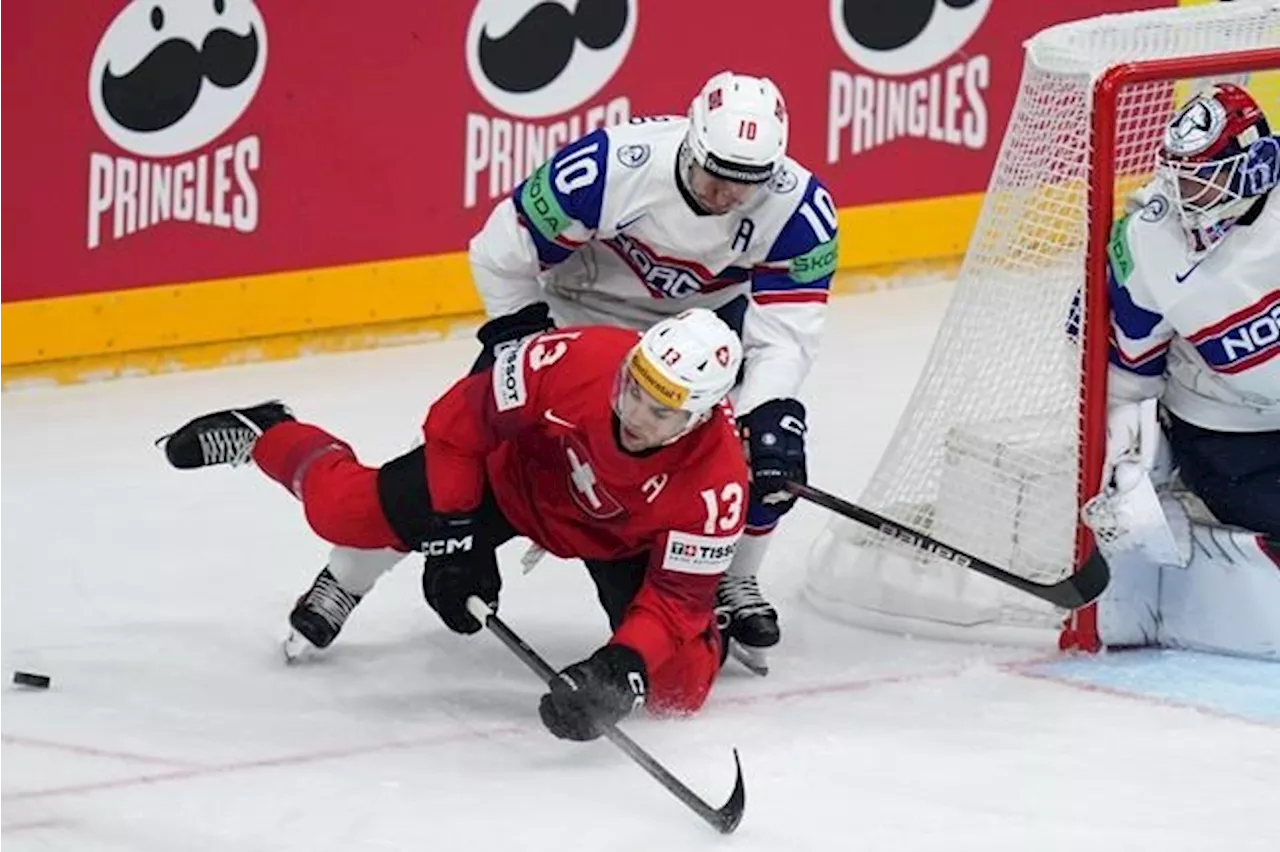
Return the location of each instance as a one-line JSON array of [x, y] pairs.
[[169, 76], [895, 37], [536, 58]]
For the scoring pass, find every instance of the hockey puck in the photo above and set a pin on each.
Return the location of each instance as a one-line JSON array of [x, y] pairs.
[[39, 681]]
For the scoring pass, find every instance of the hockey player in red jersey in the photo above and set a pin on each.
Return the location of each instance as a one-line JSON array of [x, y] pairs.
[[596, 443]]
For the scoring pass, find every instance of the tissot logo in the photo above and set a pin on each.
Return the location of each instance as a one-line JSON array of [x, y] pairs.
[[534, 60], [898, 39]]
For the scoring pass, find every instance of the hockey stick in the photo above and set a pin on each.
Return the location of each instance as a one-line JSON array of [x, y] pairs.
[[1073, 592], [724, 819]]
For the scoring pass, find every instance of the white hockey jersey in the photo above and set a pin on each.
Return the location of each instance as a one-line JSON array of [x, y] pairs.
[[1200, 331], [603, 234]]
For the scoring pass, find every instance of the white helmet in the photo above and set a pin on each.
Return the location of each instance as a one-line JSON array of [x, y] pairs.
[[738, 128], [686, 363]]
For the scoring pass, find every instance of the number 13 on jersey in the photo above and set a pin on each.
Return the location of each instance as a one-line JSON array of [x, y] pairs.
[[724, 510]]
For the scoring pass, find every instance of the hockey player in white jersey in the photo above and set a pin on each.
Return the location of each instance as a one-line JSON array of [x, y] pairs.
[[634, 223], [1195, 299]]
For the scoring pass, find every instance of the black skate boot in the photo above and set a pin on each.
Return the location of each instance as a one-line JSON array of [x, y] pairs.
[[223, 437], [318, 615], [748, 624]]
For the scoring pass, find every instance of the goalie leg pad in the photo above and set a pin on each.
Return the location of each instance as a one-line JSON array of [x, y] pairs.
[[1157, 541], [1129, 609], [1227, 599]]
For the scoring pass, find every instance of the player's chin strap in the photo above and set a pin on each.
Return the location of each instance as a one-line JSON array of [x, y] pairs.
[[1126, 515]]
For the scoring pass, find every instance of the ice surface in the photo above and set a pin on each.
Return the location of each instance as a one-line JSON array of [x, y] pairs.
[[156, 598]]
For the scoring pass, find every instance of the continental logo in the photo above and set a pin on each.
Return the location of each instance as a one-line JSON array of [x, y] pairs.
[[655, 383]]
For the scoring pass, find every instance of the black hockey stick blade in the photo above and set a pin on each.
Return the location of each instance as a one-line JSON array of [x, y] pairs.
[[728, 817], [723, 819], [1073, 592]]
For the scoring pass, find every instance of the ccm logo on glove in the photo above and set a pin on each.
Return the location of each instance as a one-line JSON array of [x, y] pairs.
[[446, 546]]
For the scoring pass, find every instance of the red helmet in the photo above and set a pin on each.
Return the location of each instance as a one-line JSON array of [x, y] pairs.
[[1217, 156]]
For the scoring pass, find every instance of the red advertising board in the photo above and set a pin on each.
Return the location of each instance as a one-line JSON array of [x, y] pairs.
[[161, 142]]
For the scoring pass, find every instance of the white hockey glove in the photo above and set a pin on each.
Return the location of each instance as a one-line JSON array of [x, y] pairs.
[[1126, 514]]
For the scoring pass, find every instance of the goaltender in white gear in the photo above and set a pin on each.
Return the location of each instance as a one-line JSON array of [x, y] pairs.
[[634, 223], [1187, 510]]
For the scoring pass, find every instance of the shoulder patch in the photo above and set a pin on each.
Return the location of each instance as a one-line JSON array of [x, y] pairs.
[[509, 390], [634, 156], [784, 181], [1156, 208]]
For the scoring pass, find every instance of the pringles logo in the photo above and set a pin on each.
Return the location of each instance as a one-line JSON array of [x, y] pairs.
[[168, 78], [902, 89], [533, 61]]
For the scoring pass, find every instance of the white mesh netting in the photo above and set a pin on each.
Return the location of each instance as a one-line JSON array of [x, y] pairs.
[[986, 455]]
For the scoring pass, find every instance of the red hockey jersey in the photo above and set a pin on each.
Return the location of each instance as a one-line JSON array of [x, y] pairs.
[[539, 429]]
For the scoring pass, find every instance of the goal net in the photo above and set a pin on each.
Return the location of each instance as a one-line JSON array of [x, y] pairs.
[[1003, 437]]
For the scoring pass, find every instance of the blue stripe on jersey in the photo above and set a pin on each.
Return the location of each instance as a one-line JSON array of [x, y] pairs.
[[1135, 321], [766, 280], [1151, 367], [549, 253], [807, 244], [1245, 339]]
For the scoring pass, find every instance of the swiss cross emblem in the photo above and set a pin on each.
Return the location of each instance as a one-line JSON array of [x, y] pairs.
[[588, 492], [722, 355], [715, 100]]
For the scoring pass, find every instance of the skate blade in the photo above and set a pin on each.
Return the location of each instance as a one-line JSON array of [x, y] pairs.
[[755, 659], [297, 649]]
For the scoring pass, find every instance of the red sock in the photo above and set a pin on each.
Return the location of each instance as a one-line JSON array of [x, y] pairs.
[[683, 683], [339, 495]]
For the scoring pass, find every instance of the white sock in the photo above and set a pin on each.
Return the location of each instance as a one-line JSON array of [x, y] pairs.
[[749, 556], [357, 570]]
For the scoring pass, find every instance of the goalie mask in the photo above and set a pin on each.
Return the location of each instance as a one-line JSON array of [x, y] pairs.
[[1218, 156], [736, 142], [674, 377]]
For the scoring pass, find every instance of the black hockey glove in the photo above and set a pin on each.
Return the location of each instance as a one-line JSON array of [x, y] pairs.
[[597, 692], [459, 562], [773, 435], [531, 319]]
